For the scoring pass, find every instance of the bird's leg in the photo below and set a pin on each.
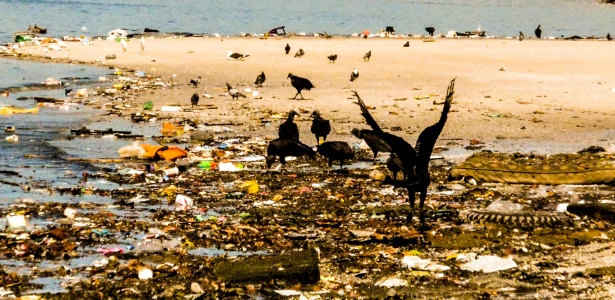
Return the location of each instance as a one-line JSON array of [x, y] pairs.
[[301, 95], [296, 95], [411, 198], [422, 198]]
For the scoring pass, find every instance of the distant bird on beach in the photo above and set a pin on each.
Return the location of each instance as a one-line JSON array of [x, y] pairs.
[[194, 100], [367, 55], [372, 140], [327, 36], [320, 127], [287, 48], [235, 94], [235, 56], [289, 130], [299, 53], [142, 45], [124, 45], [300, 84], [608, 36], [407, 44], [354, 75], [260, 79], [521, 36], [285, 147], [332, 58], [195, 81], [335, 151], [538, 31], [430, 30]]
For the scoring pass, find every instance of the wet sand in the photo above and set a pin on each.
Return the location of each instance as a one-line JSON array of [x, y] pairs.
[[553, 95]]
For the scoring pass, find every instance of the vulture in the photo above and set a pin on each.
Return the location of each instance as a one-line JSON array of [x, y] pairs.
[[407, 44], [320, 127], [195, 81], [260, 79], [608, 36], [300, 84], [235, 94], [235, 56], [354, 75], [395, 166], [284, 147], [332, 58], [430, 30], [287, 48], [335, 151], [289, 130], [372, 140], [299, 53], [415, 161], [367, 55], [521, 36], [194, 100], [538, 31]]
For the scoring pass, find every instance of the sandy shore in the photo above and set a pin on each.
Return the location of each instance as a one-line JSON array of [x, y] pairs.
[[554, 95]]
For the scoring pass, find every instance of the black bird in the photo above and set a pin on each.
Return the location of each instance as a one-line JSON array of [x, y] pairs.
[[521, 36], [320, 127], [332, 58], [608, 36], [538, 31], [260, 79], [283, 147], [367, 55], [287, 48], [335, 151], [300, 84], [195, 81], [299, 53], [327, 36], [407, 44], [354, 75], [236, 56], [372, 140], [194, 100], [430, 30], [235, 94], [289, 130], [395, 166], [414, 161]]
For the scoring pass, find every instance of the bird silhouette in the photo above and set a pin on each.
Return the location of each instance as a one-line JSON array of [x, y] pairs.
[[289, 130], [335, 150], [332, 58], [608, 36], [235, 94], [415, 161], [407, 44], [195, 81], [521, 36], [235, 56], [300, 84], [194, 100], [327, 36], [375, 143], [320, 127], [367, 55], [300, 53], [285, 147], [260, 79], [287, 48], [354, 75], [430, 30], [394, 165], [538, 31]]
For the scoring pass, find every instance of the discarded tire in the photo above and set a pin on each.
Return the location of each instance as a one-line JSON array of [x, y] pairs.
[[521, 219]]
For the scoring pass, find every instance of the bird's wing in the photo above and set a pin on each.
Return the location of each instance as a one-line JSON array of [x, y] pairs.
[[427, 139], [365, 113]]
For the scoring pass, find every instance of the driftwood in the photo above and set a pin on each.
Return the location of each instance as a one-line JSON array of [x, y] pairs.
[[299, 266]]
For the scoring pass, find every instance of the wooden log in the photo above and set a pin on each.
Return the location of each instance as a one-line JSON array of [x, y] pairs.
[[297, 266]]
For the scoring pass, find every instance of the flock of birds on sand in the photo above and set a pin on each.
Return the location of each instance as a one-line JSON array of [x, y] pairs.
[[411, 162]]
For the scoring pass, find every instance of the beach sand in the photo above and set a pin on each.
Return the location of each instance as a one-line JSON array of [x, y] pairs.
[[554, 95]]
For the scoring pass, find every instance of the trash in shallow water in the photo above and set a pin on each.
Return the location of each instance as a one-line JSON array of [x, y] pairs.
[[489, 264]]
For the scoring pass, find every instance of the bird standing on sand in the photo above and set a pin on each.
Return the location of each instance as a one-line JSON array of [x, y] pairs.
[[430, 30], [415, 161], [320, 127], [300, 84], [332, 58], [195, 81], [354, 75], [235, 56], [235, 94], [407, 44], [608, 36], [335, 151], [289, 130], [260, 79], [521, 36], [285, 147], [124, 45], [287, 48], [372, 140], [194, 100], [299, 53], [367, 55], [142, 45], [538, 31]]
